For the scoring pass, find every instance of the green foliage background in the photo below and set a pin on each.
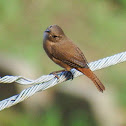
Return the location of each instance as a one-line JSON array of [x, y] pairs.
[[98, 27]]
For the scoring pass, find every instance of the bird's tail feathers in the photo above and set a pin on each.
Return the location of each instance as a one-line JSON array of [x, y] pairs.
[[93, 77]]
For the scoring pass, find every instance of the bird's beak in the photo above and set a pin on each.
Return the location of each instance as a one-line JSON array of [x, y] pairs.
[[47, 30]]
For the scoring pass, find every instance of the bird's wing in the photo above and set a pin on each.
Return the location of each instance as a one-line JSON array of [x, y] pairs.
[[70, 54]]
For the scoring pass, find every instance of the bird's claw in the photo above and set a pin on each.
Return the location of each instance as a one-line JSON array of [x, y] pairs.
[[54, 73], [70, 75]]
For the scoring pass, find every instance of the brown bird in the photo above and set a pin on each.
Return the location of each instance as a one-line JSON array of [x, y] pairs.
[[66, 54]]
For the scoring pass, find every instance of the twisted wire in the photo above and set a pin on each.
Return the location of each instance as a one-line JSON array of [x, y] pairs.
[[46, 81]]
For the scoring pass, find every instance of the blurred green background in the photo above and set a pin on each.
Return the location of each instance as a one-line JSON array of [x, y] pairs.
[[98, 27]]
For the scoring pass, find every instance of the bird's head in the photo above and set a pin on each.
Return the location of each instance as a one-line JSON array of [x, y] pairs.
[[54, 33]]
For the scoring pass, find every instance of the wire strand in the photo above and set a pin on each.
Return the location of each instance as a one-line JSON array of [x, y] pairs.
[[46, 81]]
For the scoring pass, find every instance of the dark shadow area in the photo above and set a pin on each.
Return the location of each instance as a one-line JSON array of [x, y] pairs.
[[74, 109], [8, 90], [67, 110]]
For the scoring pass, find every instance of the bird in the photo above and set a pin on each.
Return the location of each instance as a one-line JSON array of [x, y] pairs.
[[66, 54]]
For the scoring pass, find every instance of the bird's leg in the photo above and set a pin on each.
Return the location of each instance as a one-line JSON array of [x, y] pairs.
[[56, 72]]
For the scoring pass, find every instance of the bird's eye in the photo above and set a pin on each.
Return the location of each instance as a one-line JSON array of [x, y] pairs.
[[54, 36]]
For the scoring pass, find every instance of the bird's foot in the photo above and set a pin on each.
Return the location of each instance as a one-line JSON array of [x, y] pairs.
[[70, 75], [55, 73]]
